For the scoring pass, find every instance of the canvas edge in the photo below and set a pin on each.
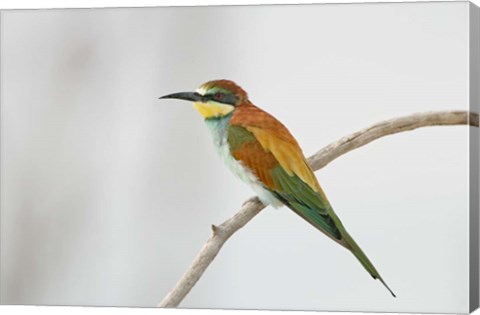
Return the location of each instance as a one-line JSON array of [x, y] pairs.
[[1, 127], [474, 100]]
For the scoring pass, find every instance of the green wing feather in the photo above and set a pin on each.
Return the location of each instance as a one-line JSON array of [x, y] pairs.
[[237, 136], [299, 197]]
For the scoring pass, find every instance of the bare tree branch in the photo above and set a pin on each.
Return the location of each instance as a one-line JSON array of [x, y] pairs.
[[389, 127], [253, 206]]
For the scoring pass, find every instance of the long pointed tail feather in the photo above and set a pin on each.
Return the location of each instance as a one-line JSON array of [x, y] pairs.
[[331, 226], [363, 259]]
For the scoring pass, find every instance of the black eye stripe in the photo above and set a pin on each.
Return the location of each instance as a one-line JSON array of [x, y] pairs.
[[229, 99]]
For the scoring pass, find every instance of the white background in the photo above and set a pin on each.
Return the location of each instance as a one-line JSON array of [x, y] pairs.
[[362, 74]]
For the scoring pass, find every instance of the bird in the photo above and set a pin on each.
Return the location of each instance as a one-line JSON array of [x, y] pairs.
[[262, 152]]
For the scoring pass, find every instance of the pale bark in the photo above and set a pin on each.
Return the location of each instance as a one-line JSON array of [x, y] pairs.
[[253, 206]]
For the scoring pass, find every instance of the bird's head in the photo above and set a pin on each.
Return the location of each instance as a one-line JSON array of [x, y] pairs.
[[214, 99]]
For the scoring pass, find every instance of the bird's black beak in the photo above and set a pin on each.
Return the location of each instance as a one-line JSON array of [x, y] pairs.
[[186, 96]]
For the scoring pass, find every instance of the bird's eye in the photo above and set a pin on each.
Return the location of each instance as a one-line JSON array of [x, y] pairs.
[[218, 96]]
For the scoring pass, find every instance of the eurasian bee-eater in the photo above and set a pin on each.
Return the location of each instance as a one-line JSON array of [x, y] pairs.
[[260, 150]]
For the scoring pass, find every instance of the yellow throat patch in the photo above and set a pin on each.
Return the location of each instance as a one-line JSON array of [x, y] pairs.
[[213, 109]]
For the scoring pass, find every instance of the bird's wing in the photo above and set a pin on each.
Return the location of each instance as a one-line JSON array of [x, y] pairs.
[[267, 148], [280, 165]]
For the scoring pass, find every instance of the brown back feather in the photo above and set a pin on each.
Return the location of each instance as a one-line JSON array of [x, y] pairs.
[[275, 139]]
